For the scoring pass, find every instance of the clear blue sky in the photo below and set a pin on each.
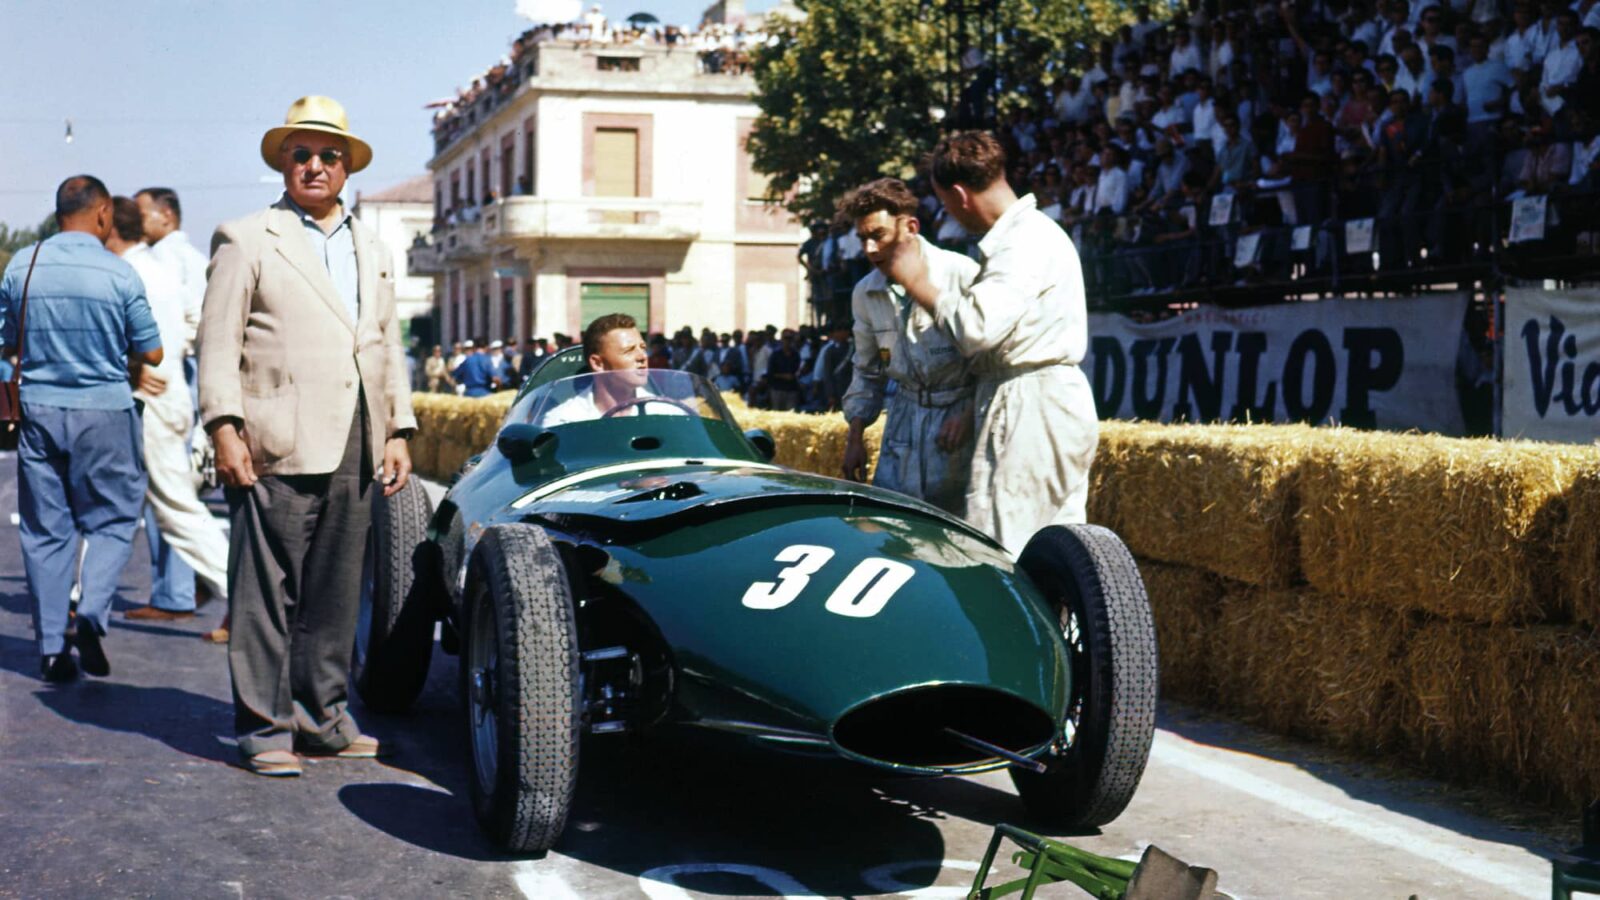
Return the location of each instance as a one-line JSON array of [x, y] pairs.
[[178, 92]]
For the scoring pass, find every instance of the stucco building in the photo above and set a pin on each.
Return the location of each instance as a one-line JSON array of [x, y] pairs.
[[401, 215], [579, 179]]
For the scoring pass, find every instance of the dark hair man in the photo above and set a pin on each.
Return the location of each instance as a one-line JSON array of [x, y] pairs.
[[1024, 324], [184, 539], [304, 390], [926, 451], [80, 467]]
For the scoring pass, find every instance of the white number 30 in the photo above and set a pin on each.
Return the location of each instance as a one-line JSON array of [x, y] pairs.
[[862, 594]]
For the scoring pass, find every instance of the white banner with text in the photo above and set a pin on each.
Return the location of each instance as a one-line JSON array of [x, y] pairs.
[[1552, 365], [1366, 363]]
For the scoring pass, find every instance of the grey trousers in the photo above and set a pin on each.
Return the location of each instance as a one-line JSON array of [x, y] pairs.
[[294, 589]]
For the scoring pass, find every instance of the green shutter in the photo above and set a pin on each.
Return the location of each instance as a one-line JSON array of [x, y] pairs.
[[602, 299]]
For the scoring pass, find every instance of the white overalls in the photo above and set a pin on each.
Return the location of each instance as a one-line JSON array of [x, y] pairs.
[[1024, 324]]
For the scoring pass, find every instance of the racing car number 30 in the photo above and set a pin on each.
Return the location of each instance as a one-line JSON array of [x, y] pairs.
[[862, 594]]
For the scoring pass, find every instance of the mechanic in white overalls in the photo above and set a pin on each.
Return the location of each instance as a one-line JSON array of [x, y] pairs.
[[1024, 323], [926, 450]]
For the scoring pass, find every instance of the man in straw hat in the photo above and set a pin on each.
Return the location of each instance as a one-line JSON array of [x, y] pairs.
[[303, 390]]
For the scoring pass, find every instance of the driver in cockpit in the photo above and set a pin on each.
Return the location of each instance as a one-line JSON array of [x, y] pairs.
[[619, 383]]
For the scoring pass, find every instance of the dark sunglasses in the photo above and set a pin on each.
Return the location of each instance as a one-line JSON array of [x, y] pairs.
[[328, 155]]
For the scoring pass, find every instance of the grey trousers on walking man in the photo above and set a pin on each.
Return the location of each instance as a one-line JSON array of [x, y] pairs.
[[294, 587]]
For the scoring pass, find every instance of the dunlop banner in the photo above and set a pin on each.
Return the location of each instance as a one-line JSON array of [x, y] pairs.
[[1552, 365], [1365, 363]]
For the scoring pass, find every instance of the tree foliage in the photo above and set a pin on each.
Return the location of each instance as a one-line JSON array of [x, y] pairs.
[[860, 89], [12, 241]]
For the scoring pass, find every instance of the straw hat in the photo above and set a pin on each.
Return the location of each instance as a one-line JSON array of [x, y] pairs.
[[315, 113]]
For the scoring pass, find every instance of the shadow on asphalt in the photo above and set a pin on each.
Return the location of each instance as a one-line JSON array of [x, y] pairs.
[[674, 796], [187, 722]]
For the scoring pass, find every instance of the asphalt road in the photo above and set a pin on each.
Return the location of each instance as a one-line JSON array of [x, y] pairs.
[[126, 787]]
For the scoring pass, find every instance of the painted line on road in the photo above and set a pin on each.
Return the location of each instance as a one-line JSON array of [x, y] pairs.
[[1175, 751], [542, 885]]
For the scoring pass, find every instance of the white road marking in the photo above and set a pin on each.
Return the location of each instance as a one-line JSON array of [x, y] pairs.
[[16, 519], [1372, 823], [661, 882], [883, 878], [542, 885]]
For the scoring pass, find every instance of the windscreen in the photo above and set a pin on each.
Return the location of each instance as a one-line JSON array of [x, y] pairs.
[[624, 393]]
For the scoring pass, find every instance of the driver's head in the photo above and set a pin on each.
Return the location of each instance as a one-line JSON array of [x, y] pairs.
[[884, 213], [612, 343]]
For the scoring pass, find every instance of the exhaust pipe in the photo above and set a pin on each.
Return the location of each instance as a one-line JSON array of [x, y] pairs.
[[944, 729]]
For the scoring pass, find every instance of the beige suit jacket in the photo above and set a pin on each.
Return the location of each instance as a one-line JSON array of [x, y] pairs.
[[279, 353]]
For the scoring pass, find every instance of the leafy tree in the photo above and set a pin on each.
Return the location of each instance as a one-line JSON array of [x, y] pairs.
[[859, 89], [12, 241]]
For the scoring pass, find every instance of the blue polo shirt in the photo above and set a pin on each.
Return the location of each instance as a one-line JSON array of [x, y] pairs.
[[86, 311], [473, 374]]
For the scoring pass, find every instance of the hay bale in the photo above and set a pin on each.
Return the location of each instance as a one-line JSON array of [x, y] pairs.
[[1219, 497], [1313, 666], [1578, 549], [1458, 528], [810, 442], [1518, 707], [1185, 602]]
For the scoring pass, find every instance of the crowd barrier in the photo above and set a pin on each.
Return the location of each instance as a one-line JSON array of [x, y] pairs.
[[1423, 598]]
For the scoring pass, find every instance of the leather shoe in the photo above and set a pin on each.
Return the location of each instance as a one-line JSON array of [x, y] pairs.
[[90, 654], [274, 763], [152, 614], [58, 667], [363, 747]]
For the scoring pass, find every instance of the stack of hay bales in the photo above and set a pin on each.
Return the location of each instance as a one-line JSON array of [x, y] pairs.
[[1428, 598], [1425, 598]]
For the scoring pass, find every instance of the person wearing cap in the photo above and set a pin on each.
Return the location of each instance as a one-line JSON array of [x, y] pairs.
[[475, 375], [926, 451], [303, 389]]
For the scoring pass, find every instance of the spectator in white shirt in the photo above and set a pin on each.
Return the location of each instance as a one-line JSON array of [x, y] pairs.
[[1074, 101], [1562, 64], [1111, 192], [1185, 56]]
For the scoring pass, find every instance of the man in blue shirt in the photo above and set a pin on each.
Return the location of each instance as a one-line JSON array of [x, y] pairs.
[[476, 374], [80, 458]]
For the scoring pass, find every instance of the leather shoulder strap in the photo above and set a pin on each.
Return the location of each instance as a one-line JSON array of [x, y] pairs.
[[22, 313]]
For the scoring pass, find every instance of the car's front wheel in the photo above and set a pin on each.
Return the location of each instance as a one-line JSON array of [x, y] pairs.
[[521, 683], [1110, 722], [399, 589]]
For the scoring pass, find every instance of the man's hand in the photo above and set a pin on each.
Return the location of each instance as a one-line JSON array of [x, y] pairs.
[[907, 268], [855, 458], [956, 429], [234, 466], [396, 466], [147, 381]]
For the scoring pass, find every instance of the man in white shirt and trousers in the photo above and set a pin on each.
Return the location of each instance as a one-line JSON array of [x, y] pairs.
[[1024, 323], [926, 450], [186, 542]]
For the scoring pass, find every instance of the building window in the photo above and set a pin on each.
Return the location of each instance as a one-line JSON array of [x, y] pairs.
[[599, 299], [617, 63], [616, 162]]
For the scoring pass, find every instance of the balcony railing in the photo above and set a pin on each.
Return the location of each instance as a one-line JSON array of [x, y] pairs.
[[464, 241], [425, 259], [592, 218]]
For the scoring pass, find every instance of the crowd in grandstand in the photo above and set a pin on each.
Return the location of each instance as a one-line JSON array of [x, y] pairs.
[[803, 368], [720, 48], [1277, 139]]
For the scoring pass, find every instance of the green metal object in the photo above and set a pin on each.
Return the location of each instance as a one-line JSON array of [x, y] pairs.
[[1049, 862], [1578, 869]]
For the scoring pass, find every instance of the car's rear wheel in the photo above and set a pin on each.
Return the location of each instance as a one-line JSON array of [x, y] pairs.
[[399, 584], [1105, 616], [521, 673]]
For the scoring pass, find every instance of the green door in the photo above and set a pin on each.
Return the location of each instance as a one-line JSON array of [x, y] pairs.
[[602, 299]]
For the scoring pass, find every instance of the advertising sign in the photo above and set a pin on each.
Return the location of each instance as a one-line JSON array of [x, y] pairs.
[[1365, 363]]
